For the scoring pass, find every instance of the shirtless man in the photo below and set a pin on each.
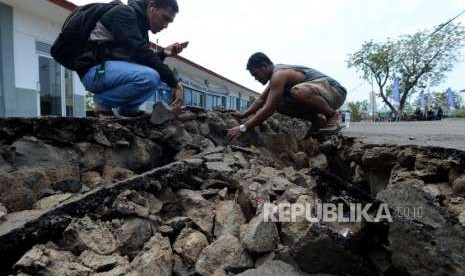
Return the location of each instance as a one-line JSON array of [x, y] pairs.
[[295, 91]]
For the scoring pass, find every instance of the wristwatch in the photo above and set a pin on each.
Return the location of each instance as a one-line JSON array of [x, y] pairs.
[[242, 128]]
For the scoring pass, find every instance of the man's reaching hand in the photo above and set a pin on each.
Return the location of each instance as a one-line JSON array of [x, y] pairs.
[[233, 133], [176, 103]]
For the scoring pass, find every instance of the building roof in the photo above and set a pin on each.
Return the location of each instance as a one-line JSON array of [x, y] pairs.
[[71, 6], [64, 4]]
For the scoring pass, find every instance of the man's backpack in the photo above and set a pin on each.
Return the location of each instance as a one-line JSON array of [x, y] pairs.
[[71, 42]]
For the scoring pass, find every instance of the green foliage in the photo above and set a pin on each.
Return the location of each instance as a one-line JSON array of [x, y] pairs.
[[458, 113], [420, 59], [358, 110], [90, 105], [408, 107]]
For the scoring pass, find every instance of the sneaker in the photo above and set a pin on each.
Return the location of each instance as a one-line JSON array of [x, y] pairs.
[[333, 123], [325, 127]]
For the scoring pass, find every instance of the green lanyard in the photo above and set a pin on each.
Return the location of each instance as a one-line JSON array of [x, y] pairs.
[[101, 70]]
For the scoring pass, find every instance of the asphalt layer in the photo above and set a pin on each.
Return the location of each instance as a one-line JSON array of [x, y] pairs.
[[448, 133]]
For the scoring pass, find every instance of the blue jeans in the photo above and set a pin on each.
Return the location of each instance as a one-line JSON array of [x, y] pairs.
[[124, 85]]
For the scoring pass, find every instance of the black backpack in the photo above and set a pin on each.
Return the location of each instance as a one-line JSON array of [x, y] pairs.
[[72, 41]]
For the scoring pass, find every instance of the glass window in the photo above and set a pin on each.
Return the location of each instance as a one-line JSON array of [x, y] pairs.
[[210, 102], [243, 105], [202, 100], [69, 92], [232, 102], [50, 86], [187, 96], [195, 99], [215, 101]]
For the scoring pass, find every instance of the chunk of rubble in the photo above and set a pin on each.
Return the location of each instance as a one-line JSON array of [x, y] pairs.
[[198, 209], [156, 258], [132, 234], [101, 263], [225, 253], [51, 201], [85, 234], [218, 167], [3, 212], [189, 244], [259, 236], [323, 250], [131, 203], [48, 260], [228, 218], [273, 268], [459, 185]]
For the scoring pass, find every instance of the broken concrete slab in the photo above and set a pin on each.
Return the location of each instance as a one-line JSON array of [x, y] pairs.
[[226, 253], [161, 114]]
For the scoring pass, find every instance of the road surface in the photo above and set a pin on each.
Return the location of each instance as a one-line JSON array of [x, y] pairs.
[[448, 133]]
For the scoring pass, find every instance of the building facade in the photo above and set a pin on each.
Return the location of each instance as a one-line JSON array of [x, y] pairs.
[[204, 88], [33, 84]]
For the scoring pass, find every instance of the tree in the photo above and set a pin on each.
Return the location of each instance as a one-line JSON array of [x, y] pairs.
[[408, 107], [418, 60], [358, 110], [440, 99]]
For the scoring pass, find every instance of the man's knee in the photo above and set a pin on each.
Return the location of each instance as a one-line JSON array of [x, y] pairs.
[[299, 92], [148, 79]]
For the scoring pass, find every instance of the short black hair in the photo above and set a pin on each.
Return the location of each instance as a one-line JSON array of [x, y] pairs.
[[173, 4], [257, 60]]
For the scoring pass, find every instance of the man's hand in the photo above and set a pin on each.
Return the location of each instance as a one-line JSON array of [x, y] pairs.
[[176, 103], [233, 133], [175, 49]]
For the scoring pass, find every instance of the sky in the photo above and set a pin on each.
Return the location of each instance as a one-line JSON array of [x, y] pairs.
[[319, 34]]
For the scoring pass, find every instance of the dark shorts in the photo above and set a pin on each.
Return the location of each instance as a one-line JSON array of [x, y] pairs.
[[320, 87]]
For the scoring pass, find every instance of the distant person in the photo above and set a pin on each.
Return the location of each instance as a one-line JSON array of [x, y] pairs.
[[296, 91], [397, 116], [392, 117], [440, 113], [118, 65], [430, 114], [417, 114]]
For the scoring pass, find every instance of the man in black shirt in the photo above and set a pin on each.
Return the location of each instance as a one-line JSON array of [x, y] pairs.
[[120, 67]]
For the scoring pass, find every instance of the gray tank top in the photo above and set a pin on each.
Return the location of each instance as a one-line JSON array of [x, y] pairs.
[[310, 74]]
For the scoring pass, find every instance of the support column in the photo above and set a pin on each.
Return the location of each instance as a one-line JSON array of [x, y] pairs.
[[7, 75]]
